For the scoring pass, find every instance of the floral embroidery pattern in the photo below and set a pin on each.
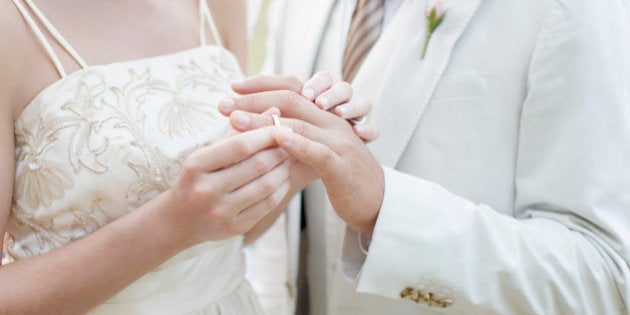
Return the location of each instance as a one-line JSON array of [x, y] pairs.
[[129, 132], [85, 144], [39, 183], [41, 227], [128, 115], [42, 183], [182, 115], [82, 221]]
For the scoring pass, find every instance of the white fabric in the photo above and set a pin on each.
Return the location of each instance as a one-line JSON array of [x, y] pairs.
[[506, 169], [267, 261]]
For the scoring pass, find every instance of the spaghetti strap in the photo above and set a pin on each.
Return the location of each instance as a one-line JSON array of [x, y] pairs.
[[206, 16], [40, 36], [53, 31]]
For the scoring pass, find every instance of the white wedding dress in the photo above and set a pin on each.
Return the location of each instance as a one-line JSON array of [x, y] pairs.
[[102, 141]]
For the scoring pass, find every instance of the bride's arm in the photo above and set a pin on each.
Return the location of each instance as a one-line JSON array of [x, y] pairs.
[[85, 273], [75, 278]]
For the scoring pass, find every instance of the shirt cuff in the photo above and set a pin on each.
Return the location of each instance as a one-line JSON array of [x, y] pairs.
[[352, 256], [364, 242]]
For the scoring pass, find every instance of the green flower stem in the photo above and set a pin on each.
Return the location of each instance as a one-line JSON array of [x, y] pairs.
[[426, 45]]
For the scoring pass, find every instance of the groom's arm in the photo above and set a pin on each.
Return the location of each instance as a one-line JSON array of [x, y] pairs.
[[568, 249]]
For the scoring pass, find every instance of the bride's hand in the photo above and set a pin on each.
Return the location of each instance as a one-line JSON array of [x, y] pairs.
[[226, 188], [322, 91]]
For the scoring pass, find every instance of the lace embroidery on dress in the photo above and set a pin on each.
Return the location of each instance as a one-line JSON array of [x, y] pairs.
[[89, 127]]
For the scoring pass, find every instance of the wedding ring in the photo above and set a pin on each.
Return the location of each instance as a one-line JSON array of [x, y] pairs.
[[358, 121], [276, 120]]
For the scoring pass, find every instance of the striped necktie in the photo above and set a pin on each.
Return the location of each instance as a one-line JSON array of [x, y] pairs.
[[365, 28]]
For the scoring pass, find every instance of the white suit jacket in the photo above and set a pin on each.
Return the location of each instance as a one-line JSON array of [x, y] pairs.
[[506, 154]]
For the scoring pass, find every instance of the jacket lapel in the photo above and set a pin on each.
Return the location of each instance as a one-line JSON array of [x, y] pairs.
[[301, 44], [400, 83]]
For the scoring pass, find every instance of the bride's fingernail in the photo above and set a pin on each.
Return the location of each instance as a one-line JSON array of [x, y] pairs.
[[227, 104], [309, 93], [241, 120]]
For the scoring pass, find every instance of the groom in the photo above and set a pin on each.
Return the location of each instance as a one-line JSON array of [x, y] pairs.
[[321, 28], [505, 153]]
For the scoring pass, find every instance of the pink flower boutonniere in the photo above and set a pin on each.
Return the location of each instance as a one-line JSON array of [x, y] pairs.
[[435, 15]]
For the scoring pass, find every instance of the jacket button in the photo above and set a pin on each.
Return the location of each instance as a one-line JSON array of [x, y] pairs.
[[406, 292]]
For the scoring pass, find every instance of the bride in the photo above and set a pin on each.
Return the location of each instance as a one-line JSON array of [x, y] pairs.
[[123, 190]]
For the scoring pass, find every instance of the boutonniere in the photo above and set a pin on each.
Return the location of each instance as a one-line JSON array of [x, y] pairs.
[[435, 15]]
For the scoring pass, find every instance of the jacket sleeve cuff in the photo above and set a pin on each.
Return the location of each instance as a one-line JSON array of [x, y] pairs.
[[412, 216]]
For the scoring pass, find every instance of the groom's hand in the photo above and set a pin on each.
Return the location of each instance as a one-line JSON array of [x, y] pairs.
[[353, 179], [320, 89]]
